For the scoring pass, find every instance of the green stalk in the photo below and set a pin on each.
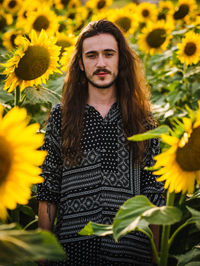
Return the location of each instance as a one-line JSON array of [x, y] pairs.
[[155, 250], [177, 231], [17, 96], [165, 234]]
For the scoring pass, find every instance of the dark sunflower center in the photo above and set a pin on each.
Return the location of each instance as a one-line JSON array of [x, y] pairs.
[[190, 48], [162, 16], [124, 23], [65, 2], [156, 38], [181, 12], [12, 4], [40, 23], [5, 159], [145, 13], [188, 157], [33, 64], [62, 27], [101, 4], [72, 15], [25, 14], [2, 23], [12, 39]]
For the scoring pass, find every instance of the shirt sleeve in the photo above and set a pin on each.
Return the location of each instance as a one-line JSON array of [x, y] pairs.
[[151, 188], [49, 190]]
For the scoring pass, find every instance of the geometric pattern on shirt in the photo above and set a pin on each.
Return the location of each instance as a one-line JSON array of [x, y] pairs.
[[94, 190]]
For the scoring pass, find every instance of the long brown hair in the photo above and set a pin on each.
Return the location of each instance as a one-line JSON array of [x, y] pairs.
[[132, 93]]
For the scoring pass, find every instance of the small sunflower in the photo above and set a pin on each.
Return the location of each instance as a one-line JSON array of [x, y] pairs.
[[99, 4], [11, 39], [5, 20], [19, 158], [155, 37], [22, 14], [43, 18], [184, 9], [124, 19], [165, 9], [146, 12], [64, 41], [189, 50], [12, 6], [66, 58], [181, 162], [32, 62], [64, 4]]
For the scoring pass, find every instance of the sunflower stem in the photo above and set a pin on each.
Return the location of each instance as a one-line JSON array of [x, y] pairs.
[[165, 234], [176, 232], [17, 96]]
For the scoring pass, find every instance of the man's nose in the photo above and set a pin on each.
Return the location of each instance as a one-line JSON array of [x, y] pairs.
[[101, 61]]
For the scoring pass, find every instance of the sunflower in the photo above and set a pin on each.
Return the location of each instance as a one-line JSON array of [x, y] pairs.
[[189, 50], [43, 18], [22, 14], [99, 4], [32, 62], [11, 39], [184, 9], [12, 6], [66, 57], [5, 20], [180, 164], [64, 41], [146, 12], [124, 19], [19, 158], [165, 9], [155, 37], [64, 4]]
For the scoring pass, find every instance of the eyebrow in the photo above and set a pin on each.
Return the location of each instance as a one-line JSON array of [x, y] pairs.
[[106, 50]]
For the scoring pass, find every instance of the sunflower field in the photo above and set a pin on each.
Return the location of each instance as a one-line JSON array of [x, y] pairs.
[[37, 40]]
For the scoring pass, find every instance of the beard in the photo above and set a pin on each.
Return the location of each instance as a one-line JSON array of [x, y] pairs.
[[105, 86], [96, 85]]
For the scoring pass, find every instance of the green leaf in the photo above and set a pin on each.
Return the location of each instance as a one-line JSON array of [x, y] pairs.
[[195, 217], [165, 215], [138, 212], [20, 245], [128, 217], [191, 258], [96, 229], [41, 94], [155, 133]]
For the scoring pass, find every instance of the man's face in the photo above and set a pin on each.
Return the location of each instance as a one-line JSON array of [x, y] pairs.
[[100, 58]]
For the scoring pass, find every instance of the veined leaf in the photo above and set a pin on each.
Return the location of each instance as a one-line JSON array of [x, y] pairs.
[[154, 133], [96, 229], [20, 245], [191, 258]]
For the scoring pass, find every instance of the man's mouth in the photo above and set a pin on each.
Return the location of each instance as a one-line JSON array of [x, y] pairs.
[[101, 72]]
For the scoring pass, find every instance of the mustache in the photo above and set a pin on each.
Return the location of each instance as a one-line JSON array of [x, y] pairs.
[[101, 70]]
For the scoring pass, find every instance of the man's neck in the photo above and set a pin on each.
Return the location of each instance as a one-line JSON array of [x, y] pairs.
[[102, 99]]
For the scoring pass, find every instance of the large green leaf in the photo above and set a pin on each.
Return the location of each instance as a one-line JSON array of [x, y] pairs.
[[96, 229], [191, 258], [155, 133], [41, 94], [135, 211], [195, 217], [20, 245]]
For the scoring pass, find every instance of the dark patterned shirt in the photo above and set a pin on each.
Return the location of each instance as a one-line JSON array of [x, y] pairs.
[[95, 189]]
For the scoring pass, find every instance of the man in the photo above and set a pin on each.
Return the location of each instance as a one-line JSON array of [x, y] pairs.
[[91, 168]]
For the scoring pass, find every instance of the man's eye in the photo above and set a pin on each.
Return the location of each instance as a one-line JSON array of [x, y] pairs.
[[109, 54], [91, 55]]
